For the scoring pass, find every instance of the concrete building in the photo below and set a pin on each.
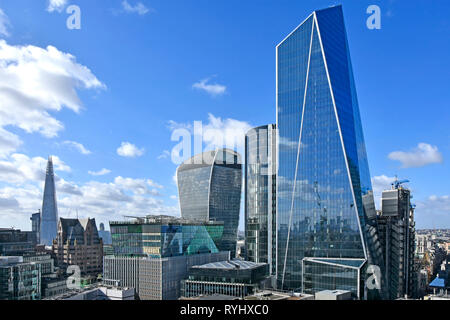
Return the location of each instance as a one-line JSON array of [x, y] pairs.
[[333, 295], [153, 254], [236, 278], [79, 244], [397, 237], [19, 280], [100, 293]]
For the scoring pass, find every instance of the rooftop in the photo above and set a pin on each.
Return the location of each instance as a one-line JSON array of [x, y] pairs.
[[230, 265]]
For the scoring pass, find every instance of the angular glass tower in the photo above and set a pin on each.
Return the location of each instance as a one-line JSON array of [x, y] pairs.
[[326, 214], [49, 215], [209, 187], [260, 195]]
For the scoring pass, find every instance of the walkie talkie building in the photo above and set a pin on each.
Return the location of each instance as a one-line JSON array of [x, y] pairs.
[[209, 187], [327, 233]]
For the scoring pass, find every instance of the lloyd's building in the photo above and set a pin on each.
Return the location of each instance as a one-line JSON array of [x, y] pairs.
[[326, 221]]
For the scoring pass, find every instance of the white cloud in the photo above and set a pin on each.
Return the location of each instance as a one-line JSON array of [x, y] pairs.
[[56, 5], [127, 149], [420, 156], [218, 133], [102, 172], [433, 212], [212, 89], [35, 81], [9, 143], [21, 169], [228, 133], [139, 8], [379, 184], [4, 24], [78, 146], [137, 186]]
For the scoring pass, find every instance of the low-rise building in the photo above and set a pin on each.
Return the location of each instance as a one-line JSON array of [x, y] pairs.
[[78, 244], [236, 278], [19, 280]]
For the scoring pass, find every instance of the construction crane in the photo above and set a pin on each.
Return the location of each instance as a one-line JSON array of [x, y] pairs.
[[398, 183]]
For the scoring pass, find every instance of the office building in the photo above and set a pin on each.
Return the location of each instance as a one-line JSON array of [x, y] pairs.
[[397, 237], [235, 278], [260, 195], [14, 242], [153, 254], [78, 243], [19, 280], [209, 186], [104, 234], [49, 214], [36, 225], [325, 205]]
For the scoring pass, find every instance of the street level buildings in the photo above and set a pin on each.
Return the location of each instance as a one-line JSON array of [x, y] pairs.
[[153, 254], [235, 278], [19, 280], [79, 244]]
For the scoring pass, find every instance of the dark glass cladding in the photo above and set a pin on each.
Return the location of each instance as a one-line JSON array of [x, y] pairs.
[[209, 188], [324, 198]]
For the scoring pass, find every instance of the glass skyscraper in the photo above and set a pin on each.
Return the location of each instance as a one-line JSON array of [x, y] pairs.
[[326, 223], [209, 187], [49, 215], [260, 195]]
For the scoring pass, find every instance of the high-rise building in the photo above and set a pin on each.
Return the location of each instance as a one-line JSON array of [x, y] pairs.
[[327, 233], [79, 244], [153, 254], [209, 186], [260, 195], [397, 236], [49, 214], [36, 225]]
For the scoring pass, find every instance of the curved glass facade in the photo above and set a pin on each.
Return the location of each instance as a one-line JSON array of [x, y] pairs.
[[325, 203], [260, 196], [209, 187]]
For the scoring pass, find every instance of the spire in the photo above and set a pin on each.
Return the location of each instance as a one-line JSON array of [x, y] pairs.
[[49, 215]]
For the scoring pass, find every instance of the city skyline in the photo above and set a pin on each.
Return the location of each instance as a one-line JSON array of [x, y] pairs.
[[111, 158]]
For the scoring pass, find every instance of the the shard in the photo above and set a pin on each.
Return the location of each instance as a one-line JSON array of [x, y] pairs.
[[49, 213]]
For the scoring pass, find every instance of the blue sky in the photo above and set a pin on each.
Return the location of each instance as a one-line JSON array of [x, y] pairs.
[[137, 69]]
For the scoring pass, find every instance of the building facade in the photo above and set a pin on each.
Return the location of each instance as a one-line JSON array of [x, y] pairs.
[[19, 280], [79, 244], [325, 203], [235, 278], [49, 213], [14, 242], [397, 237], [153, 254], [209, 186], [260, 195]]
